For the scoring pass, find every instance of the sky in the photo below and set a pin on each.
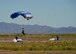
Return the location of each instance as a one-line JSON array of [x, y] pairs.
[[55, 13]]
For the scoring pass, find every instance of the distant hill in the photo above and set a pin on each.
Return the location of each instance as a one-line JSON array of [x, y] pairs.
[[11, 28]]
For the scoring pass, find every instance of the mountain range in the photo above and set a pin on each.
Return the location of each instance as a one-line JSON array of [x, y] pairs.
[[11, 28]]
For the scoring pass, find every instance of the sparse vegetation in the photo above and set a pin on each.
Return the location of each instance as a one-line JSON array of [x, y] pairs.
[[39, 45], [38, 35]]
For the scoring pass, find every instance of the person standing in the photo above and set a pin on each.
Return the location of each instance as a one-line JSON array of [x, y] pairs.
[[16, 37], [57, 37]]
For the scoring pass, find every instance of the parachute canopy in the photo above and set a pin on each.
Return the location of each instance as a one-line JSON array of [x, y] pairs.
[[26, 15]]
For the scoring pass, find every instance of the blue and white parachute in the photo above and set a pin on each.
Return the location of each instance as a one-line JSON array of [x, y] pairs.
[[26, 15]]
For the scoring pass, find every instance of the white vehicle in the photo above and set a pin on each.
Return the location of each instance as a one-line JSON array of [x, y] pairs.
[[17, 40], [52, 39], [57, 38]]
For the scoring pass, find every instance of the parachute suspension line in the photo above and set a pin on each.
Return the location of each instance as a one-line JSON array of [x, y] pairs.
[[24, 14]]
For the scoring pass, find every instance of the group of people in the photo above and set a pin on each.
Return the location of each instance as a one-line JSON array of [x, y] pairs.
[[57, 38]]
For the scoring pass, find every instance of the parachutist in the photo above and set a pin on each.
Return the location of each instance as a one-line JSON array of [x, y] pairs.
[[27, 19], [23, 31]]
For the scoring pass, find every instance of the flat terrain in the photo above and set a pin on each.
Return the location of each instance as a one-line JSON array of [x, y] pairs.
[[38, 44], [37, 52], [37, 37]]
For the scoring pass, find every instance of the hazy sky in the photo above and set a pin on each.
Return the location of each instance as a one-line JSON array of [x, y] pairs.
[[55, 13]]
